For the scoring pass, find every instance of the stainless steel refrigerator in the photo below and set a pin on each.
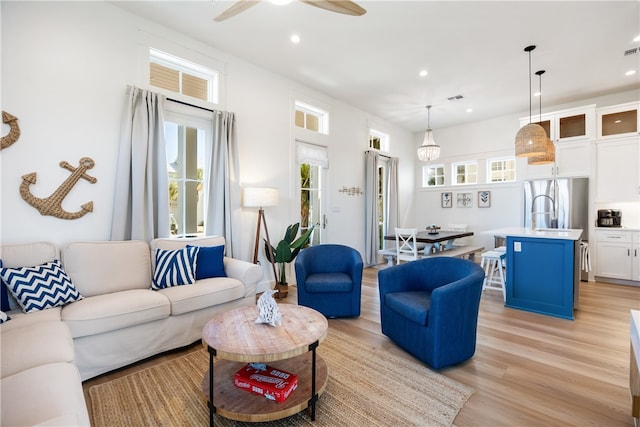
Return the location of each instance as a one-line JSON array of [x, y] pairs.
[[558, 203]]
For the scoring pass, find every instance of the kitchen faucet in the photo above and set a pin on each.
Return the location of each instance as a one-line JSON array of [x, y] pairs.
[[552, 213]]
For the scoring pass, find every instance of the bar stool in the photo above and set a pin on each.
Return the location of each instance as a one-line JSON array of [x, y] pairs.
[[491, 263]]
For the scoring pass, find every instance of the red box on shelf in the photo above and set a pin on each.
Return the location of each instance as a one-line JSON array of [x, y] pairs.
[[266, 381]]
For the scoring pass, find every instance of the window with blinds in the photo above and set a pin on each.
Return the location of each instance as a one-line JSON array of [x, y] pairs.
[[180, 76], [311, 118]]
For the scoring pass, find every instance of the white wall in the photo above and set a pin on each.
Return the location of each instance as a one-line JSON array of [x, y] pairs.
[[65, 68]]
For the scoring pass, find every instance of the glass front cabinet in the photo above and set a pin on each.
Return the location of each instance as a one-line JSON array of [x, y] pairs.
[[618, 121]]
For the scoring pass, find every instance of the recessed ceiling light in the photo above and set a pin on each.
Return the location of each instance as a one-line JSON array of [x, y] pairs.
[[280, 2], [423, 73], [637, 39], [617, 122], [295, 38], [630, 73], [537, 94], [469, 110]]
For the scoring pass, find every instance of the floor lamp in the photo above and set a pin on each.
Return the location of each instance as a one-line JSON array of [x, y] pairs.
[[261, 197]]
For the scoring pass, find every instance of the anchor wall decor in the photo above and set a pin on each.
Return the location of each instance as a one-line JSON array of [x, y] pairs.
[[14, 130], [52, 205]]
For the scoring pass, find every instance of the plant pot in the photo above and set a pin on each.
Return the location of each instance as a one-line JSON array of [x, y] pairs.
[[283, 290]]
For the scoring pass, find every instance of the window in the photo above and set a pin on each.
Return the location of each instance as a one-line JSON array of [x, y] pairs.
[[378, 140], [311, 118], [432, 175], [501, 170], [180, 76], [313, 161], [465, 173], [186, 143]]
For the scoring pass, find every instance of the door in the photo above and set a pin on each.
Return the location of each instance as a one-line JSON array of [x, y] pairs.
[[313, 166]]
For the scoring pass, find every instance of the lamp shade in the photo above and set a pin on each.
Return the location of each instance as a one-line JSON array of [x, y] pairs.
[[542, 159], [260, 197], [531, 140]]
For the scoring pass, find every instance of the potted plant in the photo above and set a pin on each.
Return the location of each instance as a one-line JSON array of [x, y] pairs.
[[286, 251]]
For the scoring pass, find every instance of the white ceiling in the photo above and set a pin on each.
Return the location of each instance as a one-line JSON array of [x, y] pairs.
[[474, 49]]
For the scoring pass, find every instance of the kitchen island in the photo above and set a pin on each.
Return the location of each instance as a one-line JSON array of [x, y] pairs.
[[543, 269]]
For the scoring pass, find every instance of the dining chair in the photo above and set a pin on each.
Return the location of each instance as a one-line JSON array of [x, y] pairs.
[[406, 245]]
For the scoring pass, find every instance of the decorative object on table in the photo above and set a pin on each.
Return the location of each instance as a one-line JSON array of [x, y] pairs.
[[52, 205], [268, 310], [261, 197], [351, 191], [465, 200], [265, 380], [549, 155], [433, 229], [286, 251], [429, 150], [531, 139], [14, 130], [484, 199], [446, 199]]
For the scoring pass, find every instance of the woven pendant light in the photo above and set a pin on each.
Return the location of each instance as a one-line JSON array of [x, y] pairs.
[[550, 155], [531, 139]]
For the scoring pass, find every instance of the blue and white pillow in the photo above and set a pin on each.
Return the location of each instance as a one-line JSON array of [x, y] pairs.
[[40, 287], [174, 267], [4, 317], [210, 262]]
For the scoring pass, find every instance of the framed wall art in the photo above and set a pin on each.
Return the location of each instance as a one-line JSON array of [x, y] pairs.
[[465, 200], [484, 199], [446, 200]]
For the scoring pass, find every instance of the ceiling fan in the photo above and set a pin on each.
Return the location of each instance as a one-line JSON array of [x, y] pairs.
[[345, 7]]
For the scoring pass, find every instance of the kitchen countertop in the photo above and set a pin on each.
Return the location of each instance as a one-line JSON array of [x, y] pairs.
[[542, 233]]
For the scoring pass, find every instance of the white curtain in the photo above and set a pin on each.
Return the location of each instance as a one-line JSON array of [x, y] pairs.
[[392, 195], [223, 198], [371, 238], [141, 203]]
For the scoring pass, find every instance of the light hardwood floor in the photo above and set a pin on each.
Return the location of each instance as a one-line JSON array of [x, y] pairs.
[[528, 369]]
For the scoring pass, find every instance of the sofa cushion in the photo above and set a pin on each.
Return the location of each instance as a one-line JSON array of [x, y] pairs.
[[210, 262], [174, 267], [20, 319], [98, 268], [40, 287], [204, 293], [29, 346], [328, 282], [108, 312], [414, 305], [23, 255], [48, 394]]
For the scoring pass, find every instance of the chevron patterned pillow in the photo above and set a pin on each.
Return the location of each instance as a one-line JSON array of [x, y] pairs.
[[174, 267], [40, 287]]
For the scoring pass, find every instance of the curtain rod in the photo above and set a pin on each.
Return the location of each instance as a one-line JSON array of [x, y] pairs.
[[379, 154], [192, 105]]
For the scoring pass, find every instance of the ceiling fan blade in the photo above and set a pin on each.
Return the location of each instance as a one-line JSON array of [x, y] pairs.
[[345, 7], [239, 6]]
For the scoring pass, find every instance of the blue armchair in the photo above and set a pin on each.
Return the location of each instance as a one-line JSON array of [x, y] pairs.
[[329, 279], [429, 307]]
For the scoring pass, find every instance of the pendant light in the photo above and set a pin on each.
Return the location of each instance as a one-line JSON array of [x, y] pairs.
[[429, 150], [550, 155], [531, 139]]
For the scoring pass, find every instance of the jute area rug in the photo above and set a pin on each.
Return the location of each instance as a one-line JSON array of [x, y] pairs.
[[366, 387]]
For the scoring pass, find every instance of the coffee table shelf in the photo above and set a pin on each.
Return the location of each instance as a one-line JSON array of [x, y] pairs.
[[234, 339]]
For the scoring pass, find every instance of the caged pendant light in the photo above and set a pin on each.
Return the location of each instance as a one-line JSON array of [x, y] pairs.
[[531, 139], [429, 150], [550, 155]]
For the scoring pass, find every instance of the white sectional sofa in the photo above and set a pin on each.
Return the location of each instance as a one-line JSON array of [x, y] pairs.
[[45, 355]]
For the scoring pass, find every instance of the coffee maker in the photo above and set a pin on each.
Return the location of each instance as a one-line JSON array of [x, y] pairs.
[[609, 218]]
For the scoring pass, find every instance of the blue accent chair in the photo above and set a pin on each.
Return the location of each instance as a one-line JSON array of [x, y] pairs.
[[429, 307], [329, 279]]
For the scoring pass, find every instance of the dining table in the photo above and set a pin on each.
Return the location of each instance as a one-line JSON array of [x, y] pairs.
[[438, 241]]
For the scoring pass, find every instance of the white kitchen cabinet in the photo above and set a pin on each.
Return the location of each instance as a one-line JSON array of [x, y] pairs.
[[618, 254], [575, 124], [618, 170], [618, 121], [572, 159]]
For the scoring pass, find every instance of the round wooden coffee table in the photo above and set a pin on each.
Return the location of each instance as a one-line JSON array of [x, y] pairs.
[[234, 339]]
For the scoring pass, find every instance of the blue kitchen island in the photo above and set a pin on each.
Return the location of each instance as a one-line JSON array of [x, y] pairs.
[[543, 270]]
